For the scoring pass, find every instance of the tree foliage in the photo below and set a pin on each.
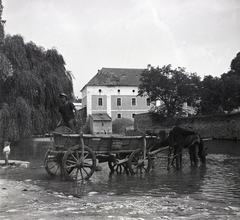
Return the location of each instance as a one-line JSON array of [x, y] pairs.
[[231, 90], [211, 95], [222, 94], [231, 86], [31, 79], [119, 125], [173, 87], [235, 64]]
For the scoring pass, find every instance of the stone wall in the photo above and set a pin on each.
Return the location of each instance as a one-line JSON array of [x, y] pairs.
[[225, 126]]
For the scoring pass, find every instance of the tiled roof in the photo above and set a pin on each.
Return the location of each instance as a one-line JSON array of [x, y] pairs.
[[101, 117], [116, 77]]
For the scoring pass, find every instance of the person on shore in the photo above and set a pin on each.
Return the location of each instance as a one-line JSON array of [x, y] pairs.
[[6, 151], [68, 113]]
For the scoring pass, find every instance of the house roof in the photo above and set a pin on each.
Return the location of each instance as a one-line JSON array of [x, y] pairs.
[[116, 77], [101, 117]]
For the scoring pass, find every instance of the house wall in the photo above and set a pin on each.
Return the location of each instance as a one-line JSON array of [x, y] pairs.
[[127, 110], [91, 124], [84, 97], [109, 94], [101, 127], [95, 107]]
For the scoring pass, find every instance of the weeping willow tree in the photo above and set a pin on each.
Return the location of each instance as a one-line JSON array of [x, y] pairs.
[[31, 79]]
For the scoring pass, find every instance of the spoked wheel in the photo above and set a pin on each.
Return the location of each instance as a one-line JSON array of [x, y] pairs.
[[118, 168], [52, 163], [138, 162], [77, 166]]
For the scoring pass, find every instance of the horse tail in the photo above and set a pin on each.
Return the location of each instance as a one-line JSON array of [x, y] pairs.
[[201, 151]]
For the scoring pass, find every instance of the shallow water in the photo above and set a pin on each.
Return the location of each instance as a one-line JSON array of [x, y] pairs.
[[217, 180]]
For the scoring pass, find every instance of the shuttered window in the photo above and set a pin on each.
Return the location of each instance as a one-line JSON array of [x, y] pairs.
[[100, 102]]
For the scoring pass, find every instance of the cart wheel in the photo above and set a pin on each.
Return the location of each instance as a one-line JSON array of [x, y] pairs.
[[74, 168], [119, 168], [137, 163], [52, 163]]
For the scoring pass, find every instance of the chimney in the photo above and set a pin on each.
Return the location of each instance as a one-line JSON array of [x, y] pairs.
[[149, 67]]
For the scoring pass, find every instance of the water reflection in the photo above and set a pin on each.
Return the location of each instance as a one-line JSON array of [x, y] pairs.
[[217, 180]]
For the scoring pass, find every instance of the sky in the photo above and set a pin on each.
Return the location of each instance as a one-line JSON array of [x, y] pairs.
[[201, 35]]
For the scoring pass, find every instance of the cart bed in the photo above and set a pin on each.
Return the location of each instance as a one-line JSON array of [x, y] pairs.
[[103, 144]]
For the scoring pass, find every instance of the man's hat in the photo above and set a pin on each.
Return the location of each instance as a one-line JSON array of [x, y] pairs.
[[63, 94]]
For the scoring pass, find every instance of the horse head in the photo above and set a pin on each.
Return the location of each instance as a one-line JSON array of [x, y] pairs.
[[161, 135], [161, 139]]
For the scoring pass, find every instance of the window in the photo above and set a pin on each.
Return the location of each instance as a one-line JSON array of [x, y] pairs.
[[148, 101], [100, 101], [119, 101], [119, 115], [134, 101], [133, 115]]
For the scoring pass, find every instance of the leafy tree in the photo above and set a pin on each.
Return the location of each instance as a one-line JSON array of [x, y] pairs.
[[172, 86], [6, 71], [231, 86], [231, 90], [119, 125], [235, 64], [31, 80], [211, 95]]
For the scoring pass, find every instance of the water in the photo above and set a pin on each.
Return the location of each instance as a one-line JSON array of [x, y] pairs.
[[217, 180]]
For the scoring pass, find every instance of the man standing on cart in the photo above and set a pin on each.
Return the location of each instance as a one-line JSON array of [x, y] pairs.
[[68, 113]]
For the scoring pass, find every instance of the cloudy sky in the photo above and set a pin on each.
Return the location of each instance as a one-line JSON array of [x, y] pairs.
[[201, 35]]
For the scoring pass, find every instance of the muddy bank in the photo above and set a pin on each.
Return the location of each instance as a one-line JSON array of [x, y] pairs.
[[26, 200]]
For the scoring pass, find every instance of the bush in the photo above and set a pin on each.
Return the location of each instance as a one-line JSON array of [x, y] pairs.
[[119, 125]]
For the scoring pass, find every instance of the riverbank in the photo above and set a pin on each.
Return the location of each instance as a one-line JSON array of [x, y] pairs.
[[25, 200], [19, 163]]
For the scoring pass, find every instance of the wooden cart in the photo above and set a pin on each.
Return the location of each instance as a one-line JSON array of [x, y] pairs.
[[75, 156]]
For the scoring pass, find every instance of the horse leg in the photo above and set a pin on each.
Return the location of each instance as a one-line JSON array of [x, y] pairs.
[[174, 154], [177, 161], [178, 155], [174, 158], [190, 155], [195, 156], [169, 156], [180, 159], [201, 151]]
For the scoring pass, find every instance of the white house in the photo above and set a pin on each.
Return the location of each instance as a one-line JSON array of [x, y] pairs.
[[113, 91]]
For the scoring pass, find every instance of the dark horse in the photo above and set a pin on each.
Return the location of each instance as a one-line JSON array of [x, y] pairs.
[[180, 137], [185, 137]]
